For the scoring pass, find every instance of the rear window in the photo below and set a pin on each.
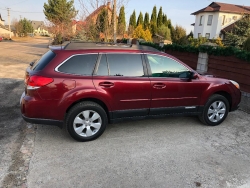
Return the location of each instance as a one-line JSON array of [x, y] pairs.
[[45, 59], [79, 64]]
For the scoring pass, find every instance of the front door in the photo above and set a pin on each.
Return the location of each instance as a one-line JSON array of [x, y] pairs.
[[170, 94], [121, 78]]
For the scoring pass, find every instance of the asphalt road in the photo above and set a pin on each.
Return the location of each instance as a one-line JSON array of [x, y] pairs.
[[169, 152]]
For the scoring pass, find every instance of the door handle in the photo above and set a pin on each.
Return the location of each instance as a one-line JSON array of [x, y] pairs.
[[106, 84], [159, 86]]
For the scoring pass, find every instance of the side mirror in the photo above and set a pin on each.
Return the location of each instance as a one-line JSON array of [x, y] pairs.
[[186, 76], [32, 63]]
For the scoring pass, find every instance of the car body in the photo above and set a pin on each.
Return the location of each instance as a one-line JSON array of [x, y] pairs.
[[84, 86]]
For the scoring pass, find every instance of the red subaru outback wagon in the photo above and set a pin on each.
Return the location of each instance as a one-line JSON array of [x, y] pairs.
[[85, 86]]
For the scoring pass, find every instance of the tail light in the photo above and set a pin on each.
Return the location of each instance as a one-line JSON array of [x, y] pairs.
[[35, 82]]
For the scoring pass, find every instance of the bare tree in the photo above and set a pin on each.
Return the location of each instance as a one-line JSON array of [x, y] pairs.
[[92, 26]]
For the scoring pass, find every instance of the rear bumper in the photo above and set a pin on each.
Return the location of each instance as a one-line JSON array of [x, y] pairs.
[[43, 121]]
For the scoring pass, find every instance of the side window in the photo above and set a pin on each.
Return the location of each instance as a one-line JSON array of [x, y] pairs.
[[45, 59], [165, 67], [79, 64], [103, 66], [125, 65]]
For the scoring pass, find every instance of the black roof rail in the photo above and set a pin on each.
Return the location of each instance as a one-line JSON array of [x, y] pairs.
[[80, 45]]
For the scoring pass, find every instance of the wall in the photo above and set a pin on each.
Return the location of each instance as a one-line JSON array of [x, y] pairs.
[[5, 33], [190, 59], [231, 68]]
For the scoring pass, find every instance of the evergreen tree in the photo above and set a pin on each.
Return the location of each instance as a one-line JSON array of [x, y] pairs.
[[179, 35], [60, 13], [160, 18], [165, 20], [102, 21], [121, 21], [153, 21], [154, 15], [140, 19], [132, 20], [24, 27], [165, 32], [146, 21]]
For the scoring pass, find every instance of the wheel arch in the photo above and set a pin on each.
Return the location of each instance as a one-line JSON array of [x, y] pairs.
[[227, 96], [98, 101]]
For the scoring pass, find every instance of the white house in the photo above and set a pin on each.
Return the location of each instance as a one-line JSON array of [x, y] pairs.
[[4, 31], [211, 20]]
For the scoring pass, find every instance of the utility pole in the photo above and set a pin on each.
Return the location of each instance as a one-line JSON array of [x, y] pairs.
[[8, 9], [114, 21]]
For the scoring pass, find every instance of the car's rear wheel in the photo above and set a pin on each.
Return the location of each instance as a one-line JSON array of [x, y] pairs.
[[86, 121], [215, 110]]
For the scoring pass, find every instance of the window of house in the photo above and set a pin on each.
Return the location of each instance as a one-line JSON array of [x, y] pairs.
[[121, 65], [207, 35], [199, 35], [165, 67], [79, 64], [223, 19], [201, 19], [210, 20]]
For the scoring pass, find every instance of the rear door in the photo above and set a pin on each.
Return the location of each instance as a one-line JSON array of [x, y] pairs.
[[121, 78]]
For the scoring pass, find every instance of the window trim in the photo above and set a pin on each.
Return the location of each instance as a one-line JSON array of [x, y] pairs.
[[206, 35], [145, 71], [201, 20], [209, 24], [223, 19], [58, 66], [150, 71]]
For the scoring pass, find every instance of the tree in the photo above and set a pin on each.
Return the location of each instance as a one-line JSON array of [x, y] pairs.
[[140, 19], [140, 33], [246, 45], [165, 32], [179, 35], [154, 15], [165, 20], [60, 13], [146, 23], [121, 21], [239, 34], [102, 21], [23, 27], [132, 20], [159, 18]]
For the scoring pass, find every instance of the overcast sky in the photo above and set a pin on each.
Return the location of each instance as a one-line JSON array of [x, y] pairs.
[[177, 10]]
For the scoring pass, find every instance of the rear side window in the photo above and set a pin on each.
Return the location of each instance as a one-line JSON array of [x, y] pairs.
[[45, 59], [79, 64], [121, 65]]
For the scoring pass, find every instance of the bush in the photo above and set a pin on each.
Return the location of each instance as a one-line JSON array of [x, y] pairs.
[[246, 45]]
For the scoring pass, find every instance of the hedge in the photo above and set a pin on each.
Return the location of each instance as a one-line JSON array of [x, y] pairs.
[[211, 50]]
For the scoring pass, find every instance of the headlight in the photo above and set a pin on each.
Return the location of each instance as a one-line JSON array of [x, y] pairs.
[[235, 83]]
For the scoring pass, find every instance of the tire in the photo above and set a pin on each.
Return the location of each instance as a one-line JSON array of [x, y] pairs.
[[215, 110], [86, 121]]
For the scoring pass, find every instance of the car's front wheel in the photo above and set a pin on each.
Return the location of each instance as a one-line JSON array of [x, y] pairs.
[[86, 121], [215, 110]]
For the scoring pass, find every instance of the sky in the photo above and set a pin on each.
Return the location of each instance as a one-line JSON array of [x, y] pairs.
[[177, 10]]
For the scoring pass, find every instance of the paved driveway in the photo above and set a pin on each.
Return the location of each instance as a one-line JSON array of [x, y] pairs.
[[170, 152]]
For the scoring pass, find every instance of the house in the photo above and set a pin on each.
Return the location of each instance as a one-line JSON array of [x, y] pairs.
[[39, 28], [211, 21], [4, 30]]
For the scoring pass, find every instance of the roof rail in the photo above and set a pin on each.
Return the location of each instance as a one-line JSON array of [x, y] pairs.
[[78, 45]]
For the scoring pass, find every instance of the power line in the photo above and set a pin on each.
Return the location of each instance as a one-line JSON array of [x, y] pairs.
[[21, 11]]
